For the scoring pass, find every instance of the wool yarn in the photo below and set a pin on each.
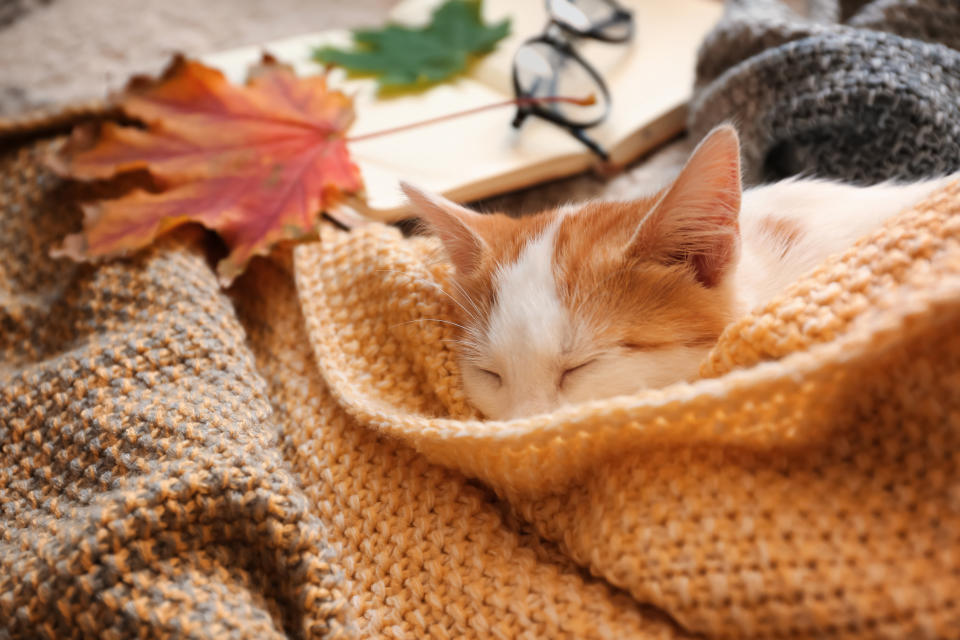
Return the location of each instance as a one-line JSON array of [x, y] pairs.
[[858, 91]]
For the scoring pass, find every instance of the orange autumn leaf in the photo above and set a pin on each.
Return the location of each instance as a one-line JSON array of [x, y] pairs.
[[255, 163]]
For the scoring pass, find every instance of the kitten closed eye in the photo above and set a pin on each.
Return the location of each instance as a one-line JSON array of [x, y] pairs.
[[644, 346], [571, 370], [492, 375]]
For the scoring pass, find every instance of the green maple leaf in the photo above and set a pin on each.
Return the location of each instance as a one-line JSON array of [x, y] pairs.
[[405, 58]]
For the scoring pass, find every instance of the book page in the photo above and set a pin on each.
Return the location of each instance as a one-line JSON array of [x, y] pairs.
[[480, 155]]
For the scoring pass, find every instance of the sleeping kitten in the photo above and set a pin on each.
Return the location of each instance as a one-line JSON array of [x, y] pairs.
[[607, 298]]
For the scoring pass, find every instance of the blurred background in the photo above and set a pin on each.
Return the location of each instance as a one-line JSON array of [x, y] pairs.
[[54, 51]]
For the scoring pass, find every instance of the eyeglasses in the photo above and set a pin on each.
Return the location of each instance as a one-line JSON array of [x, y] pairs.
[[547, 66]]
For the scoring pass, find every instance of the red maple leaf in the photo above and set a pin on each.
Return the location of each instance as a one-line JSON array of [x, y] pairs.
[[256, 163]]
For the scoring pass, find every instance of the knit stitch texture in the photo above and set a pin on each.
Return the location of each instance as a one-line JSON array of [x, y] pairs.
[[863, 92], [295, 457], [806, 487], [142, 488]]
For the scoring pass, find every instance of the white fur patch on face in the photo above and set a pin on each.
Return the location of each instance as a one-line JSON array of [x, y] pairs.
[[534, 347], [569, 209], [528, 308], [529, 328]]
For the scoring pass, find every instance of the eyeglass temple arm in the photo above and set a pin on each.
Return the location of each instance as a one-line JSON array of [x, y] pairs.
[[590, 144], [576, 132]]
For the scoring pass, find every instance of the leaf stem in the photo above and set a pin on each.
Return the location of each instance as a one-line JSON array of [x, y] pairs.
[[518, 102]]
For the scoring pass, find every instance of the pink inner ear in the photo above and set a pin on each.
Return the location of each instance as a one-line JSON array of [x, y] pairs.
[[453, 224], [697, 216], [463, 246], [711, 267]]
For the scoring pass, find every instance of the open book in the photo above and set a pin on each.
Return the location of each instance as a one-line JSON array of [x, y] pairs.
[[481, 155]]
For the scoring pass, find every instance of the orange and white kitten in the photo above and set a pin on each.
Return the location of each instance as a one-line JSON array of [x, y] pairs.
[[607, 298]]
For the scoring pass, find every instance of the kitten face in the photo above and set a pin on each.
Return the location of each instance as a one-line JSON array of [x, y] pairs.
[[595, 301]]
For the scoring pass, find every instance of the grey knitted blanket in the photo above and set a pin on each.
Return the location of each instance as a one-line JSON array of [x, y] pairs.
[[860, 91]]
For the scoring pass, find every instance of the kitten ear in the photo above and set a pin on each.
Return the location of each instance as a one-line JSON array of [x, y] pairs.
[[695, 219], [455, 225]]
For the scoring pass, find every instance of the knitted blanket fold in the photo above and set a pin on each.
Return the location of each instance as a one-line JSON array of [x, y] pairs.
[[806, 486], [295, 457], [142, 489], [173, 464], [861, 91]]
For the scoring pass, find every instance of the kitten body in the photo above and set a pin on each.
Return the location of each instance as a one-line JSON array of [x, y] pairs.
[[789, 227], [607, 298]]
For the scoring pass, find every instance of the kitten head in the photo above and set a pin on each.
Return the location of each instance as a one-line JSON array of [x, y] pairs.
[[598, 300]]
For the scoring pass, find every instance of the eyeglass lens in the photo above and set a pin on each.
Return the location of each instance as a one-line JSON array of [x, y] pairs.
[[543, 70]]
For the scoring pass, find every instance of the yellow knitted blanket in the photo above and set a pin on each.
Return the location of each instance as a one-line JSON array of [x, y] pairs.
[[295, 458], [808, 487]]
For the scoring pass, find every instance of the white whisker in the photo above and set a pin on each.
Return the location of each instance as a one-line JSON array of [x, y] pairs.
[[450, 322]]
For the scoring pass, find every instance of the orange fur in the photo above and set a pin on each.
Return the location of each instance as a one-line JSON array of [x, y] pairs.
[[643, 274], [632, 300], [783, 233], [504, 238]]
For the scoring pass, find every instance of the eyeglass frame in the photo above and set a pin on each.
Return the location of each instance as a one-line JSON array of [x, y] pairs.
[[565, 47]]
